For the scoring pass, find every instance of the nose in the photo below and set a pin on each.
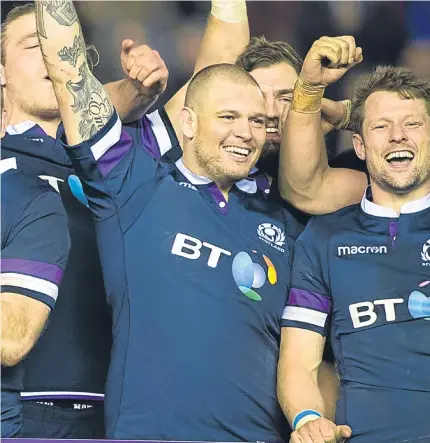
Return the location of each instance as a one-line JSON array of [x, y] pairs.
[[272, 110], [242, 129], [397, 134]]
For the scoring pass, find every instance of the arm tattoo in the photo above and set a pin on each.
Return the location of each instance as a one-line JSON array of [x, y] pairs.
[[71, 54], [40, 25], [63, 12], [90, 101]]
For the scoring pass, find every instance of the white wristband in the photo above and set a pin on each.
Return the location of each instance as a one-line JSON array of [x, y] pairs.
[[303, 417], [233, 11]]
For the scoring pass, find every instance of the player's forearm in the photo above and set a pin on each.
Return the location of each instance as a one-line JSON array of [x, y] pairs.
[[328, 382], [18, 332], [298, 388], [226, 34], [128, 102], [225, 37], [84, 104], [303, 158]]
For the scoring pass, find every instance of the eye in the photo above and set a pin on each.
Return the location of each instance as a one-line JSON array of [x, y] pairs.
[[33, 46], [380, 127], [285, 99], [229, 118], [258, 122], [412, 124]]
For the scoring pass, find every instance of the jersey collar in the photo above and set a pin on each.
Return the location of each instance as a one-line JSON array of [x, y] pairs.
[[20, 128], [380, 211], [247, 185]]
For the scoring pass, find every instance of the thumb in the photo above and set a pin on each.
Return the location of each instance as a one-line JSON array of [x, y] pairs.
[[342, 432], [127, 45]]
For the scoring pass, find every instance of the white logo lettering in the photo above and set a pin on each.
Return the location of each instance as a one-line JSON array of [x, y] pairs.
[[352, 250], [189, 247], [425, 254], [53, 181], [366, 317], [271, 235]]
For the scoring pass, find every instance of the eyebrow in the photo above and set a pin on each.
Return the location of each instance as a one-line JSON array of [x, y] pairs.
[[284, 91], [26, 37]]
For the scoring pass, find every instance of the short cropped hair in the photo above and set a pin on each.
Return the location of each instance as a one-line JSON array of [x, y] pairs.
[[29, 8], [198, 84], [391, 79], [14, 14], [262, 53]]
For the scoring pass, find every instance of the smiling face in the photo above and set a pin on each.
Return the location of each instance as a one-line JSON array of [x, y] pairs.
[[277, 84], [227, 131], [26, 81], [395, 142]]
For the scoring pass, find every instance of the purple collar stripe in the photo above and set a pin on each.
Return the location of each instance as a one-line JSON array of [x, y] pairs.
[[149, 140], [311, 300], [115, 154], [219, 198], [54, 440], [263, 184], [36, 269]]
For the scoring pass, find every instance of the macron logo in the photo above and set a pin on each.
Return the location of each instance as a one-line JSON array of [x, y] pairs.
[[353, 250]]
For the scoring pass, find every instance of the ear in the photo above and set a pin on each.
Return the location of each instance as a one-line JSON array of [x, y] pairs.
[[189, 123], [2, 76], [358, 142]]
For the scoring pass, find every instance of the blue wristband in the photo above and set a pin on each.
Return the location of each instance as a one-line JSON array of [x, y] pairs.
[[304, 414]]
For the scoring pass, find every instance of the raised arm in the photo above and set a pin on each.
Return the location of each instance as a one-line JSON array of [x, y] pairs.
[[225, 37], [305, 178], [84, 104]]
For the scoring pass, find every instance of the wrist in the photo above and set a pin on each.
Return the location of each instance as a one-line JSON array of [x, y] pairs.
[[307, 98], [344, 123], [303, 417], [233, 11]]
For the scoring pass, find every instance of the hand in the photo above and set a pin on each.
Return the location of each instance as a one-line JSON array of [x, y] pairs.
[[321, 431], [341, 55], [144, 68]]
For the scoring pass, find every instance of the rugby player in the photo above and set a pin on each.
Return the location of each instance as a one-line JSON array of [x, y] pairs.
[[34, 248], [364, 268], [195, 340], [68, 366]]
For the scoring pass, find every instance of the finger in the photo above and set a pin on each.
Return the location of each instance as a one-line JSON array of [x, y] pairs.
[[358, 56], [342, 433], [351, 45], [158, 78], [326, 51], [127, 45], [340, 46], [295, 438], [314, 429], [142, 55]]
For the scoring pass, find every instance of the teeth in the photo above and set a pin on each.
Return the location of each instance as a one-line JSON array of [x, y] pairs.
[[271, 129], [236, 150], [401, 154]]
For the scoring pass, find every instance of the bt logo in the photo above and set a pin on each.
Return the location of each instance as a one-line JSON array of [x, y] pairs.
[[363, 313], [246, 273], [419, 303]]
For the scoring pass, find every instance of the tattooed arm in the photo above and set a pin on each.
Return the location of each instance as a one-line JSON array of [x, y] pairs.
[[84, 104]]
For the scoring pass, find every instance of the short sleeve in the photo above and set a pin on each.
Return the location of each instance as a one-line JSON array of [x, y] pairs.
[[36, 250], [309, 302]]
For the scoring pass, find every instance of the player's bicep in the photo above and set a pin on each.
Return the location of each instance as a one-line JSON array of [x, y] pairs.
[[340, 188], [23, 319], [301, 347]]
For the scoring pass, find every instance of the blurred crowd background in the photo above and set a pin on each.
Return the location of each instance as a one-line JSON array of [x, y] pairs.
[[389, 32]]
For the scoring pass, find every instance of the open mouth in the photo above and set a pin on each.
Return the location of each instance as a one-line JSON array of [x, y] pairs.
[[400, 158], [237, 152]]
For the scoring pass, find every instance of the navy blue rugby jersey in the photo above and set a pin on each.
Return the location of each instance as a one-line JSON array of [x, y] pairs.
[[197, 285], [71, 359], [34, 248], [368, 271]]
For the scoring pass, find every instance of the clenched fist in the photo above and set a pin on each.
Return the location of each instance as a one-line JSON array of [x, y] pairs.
[[145, 68], [329, 59], [321, 431]]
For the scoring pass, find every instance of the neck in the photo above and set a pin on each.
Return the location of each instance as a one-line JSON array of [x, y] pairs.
[[196, 169], [396, 201], [49, 125]]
